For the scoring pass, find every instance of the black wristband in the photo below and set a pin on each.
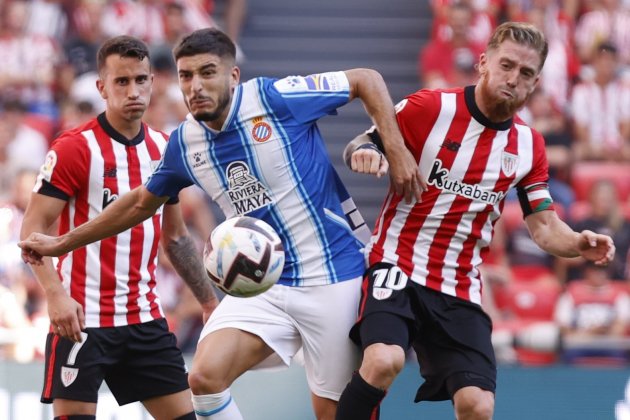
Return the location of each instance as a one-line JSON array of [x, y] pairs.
[[370, 146]]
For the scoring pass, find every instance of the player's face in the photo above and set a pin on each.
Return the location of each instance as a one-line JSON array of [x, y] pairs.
[[207, 83], [125, 84], [509, 75]]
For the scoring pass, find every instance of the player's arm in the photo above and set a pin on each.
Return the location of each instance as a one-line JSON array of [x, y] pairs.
[[127, 211], [66, 314], [557, 238], [185, 257], [369, 86]]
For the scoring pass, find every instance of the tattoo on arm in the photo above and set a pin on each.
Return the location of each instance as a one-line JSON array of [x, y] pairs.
[[186, 260]]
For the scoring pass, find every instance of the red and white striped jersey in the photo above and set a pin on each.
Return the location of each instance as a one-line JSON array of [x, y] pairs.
[[469, 164], [91, 166]]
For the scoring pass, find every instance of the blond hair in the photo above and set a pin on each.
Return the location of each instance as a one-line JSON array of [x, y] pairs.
[[523, 34]]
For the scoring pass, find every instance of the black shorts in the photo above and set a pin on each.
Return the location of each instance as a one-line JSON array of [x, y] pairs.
[[451, 336], [137, 362]]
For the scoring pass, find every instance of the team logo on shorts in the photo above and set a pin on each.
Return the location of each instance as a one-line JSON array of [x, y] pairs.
[[261, 131], [381, 293], [68, 375]]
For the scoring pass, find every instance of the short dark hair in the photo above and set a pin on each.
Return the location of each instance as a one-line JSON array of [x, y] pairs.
[[606, 47], [125, 46], [205, 41]]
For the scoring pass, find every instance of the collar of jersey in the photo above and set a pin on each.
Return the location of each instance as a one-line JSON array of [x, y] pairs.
[[111, 132], [469, 95]]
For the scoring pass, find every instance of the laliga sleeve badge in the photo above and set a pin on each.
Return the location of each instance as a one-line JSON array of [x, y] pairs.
[[49, 165], [68, 375]]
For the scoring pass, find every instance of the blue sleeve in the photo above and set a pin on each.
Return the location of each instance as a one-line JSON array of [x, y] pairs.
[[311, 97], [171, 175]]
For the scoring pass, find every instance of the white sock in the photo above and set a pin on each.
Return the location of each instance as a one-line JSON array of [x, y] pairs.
[[219, 406]]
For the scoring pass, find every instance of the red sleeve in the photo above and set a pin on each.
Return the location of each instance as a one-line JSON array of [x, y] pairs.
[[67, 163], [416, 116]]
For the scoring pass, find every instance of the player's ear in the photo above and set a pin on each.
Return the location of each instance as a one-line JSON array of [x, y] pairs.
[[482, 67], [235, 76], [101, 88]]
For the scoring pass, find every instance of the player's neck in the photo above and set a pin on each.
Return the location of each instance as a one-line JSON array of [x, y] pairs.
[[127, 128]]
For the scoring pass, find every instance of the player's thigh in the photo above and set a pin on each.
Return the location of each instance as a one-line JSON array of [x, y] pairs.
[[324, 315], [225, 354], [253, 333], [63, 407]]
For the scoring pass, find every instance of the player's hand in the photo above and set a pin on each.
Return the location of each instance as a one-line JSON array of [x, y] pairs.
[[596, 248], [38, 245], [369, 161], [66, 316], [405, 175]]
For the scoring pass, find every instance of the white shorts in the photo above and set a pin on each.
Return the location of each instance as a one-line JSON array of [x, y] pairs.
[[316, 319]]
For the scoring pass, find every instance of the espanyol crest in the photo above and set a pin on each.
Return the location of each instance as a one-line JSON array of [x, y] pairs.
[[509, 163]]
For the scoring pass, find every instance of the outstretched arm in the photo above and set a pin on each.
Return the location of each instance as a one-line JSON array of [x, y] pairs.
[[557, 238], [124, 213], [186, 258], [369, 86]]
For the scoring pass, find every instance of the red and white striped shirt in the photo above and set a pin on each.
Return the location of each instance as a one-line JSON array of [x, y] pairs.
[[91, 166], [469, 164]]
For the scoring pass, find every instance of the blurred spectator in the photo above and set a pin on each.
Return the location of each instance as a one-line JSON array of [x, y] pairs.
[[606, 217], [609, 22], [141, 18], [14, 274], [543, 115], [47, 18], [562, 65], [483, 19], [15, 329], [74, 114], [78, 73], [28, 61], [450, 60], [21, 147], [601, 111], [594, 315]]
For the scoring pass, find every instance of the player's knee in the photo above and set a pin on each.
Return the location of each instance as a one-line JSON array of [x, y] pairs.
[[382, 363], [472, 403], [207, 381]]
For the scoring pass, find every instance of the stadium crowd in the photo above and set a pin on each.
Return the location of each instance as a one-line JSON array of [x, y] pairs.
[[544, 309]]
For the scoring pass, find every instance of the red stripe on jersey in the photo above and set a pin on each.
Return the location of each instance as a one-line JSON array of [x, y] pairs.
[[137, 242], [50, 367], [78, 275], [464, 260], [390, 206], [107, 256]]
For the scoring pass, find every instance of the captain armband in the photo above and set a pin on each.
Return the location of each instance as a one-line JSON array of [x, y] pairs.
[[535, 198]]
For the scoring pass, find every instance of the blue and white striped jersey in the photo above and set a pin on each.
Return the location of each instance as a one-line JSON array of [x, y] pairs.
[[269, 161]]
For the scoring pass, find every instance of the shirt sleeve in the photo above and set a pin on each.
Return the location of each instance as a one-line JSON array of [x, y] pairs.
[[65, 168], [533, 189], [172, 174], [309, 98], [416, 114]]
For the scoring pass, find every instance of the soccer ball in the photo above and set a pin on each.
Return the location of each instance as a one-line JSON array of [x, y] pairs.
[[244, 256]]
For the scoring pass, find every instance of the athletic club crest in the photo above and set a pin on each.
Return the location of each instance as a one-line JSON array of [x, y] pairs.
[[261, 130], [68, 375], [380, 293], [509, 163]]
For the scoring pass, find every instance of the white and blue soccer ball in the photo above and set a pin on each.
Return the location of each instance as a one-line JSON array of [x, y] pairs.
[[244, 256]]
